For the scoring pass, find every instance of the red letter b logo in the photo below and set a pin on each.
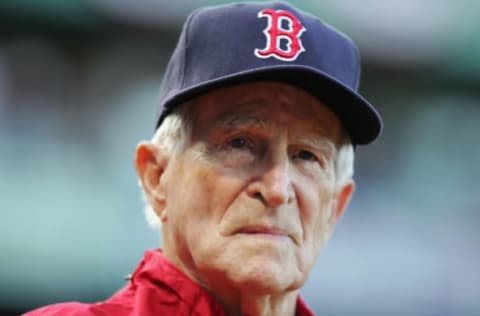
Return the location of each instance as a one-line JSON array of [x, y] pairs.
[[275, 33]]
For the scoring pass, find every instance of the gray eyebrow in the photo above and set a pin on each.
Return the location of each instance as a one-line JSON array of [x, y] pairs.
[[323, 144], [234, 120], [240, 120], [245, 114]]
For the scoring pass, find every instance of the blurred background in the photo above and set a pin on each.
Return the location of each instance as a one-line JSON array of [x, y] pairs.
[[78, 89]]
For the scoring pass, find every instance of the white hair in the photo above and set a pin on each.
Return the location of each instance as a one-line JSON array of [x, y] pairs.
[[175, 133], [344, 160], [172, 137]]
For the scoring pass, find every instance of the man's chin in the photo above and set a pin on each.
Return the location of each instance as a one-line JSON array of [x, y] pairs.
[[266, 271], [259, 264], [265, 278]]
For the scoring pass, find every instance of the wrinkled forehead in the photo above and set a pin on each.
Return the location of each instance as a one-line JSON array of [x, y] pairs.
[[266, 103]]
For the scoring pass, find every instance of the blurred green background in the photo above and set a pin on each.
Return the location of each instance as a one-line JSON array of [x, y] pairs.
[[78, 88]]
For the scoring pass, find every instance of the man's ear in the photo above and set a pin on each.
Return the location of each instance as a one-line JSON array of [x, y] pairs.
[[150, 162], [343, 197]]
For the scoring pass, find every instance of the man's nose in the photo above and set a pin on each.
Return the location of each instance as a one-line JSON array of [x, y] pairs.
[[273, 184]]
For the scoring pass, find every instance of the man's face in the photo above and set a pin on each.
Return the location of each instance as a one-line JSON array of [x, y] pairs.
[[253, 197]]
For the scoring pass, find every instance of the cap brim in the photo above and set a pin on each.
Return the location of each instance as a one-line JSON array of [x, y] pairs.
[[359, 117]]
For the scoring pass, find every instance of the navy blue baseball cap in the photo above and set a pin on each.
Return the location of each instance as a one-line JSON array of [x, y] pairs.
[[269, 41]]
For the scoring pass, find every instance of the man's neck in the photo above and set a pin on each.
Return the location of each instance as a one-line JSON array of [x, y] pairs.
[[263, 305], [243, 300]]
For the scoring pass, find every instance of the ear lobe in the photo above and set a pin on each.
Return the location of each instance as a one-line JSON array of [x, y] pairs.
[[150, 163], [342, 200]]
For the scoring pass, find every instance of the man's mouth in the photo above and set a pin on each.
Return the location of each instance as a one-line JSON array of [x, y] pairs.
[[263, 231]]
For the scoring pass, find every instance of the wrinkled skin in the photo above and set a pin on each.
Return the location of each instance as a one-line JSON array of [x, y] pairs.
[[246, 207]]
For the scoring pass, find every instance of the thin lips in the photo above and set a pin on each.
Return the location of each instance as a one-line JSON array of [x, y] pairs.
[[263, 230]]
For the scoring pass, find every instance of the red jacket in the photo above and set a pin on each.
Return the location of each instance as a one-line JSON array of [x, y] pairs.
[[157, 287]]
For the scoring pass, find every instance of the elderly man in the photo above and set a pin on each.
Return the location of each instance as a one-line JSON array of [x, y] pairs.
[[250, 167]]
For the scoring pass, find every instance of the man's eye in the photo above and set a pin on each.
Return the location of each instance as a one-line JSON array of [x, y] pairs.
[[305, 155], [238, 142]]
